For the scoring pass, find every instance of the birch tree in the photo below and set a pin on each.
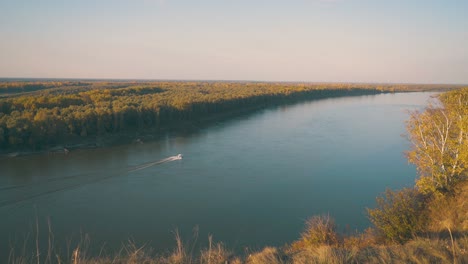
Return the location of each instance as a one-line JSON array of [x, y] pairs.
[[439, 137]]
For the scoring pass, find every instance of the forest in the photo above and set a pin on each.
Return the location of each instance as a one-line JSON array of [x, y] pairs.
[[36, 115]]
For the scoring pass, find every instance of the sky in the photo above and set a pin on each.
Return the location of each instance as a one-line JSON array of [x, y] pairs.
[[385, 41]]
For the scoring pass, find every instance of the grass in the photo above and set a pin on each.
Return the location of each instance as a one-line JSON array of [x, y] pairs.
[[359, 248]]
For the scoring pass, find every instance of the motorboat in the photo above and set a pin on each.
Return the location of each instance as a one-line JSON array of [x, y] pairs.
[[179, 156]]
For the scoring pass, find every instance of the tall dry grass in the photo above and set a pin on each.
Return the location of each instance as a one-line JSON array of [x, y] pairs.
[[418, 251]]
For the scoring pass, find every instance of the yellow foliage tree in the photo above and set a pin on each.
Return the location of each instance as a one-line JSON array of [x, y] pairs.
[[439, 137]]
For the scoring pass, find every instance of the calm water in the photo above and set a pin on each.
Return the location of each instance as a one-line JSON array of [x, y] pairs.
[[250, 181]]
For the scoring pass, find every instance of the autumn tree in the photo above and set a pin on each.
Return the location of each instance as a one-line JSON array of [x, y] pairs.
[[439, 137]]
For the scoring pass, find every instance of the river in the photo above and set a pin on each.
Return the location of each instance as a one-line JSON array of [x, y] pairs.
[[250, 181]]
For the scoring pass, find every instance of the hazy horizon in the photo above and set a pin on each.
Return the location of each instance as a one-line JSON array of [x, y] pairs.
[[358, 41], [32, 79]]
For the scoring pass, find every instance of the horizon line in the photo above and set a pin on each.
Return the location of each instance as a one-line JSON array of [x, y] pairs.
[[3, 79]]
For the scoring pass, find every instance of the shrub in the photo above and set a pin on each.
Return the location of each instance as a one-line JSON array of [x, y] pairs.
[[399, 215], [319, 230]]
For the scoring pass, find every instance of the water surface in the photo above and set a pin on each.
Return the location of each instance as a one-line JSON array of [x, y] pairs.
[[250, 181]]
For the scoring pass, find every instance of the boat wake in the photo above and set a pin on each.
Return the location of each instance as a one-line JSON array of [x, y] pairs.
[[38, 189], [150, 164]]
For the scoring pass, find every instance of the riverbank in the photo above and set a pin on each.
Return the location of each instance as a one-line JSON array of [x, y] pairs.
[[421, 250], [57, 119], [131, 134]]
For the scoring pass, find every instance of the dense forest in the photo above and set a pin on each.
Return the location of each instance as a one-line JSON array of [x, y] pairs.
[[39, 114]]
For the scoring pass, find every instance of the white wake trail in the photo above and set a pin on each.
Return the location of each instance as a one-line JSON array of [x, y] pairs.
[[150, 164]]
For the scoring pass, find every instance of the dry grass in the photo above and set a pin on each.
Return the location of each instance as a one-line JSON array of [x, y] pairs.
[[215, 253], [319, 231], [267, 255], [417, 251], [362, 240], [323, 254], [450, 211]]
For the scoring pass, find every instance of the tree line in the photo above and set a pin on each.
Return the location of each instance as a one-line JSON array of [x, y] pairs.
[[60, 112]]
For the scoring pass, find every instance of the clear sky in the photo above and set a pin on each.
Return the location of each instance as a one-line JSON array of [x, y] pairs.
[[417, 41]]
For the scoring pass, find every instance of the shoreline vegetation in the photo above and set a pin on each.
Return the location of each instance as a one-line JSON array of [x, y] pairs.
[[60, 115], [424, 224]]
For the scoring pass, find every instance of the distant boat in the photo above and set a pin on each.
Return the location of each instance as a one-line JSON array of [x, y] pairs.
[[179, 156], [16, 154]]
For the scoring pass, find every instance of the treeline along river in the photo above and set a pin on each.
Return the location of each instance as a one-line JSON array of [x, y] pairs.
[[38, 116], [251, 180]]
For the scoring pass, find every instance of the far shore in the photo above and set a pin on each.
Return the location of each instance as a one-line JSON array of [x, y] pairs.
[[202, 104]]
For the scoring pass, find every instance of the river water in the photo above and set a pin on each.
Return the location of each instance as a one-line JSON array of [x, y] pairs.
[[250, 181]]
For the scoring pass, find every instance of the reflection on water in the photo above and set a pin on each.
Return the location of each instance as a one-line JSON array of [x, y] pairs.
[[250, 181]]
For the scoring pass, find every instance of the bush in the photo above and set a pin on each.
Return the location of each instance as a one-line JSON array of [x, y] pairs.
[[319, 230], [399, 215]]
